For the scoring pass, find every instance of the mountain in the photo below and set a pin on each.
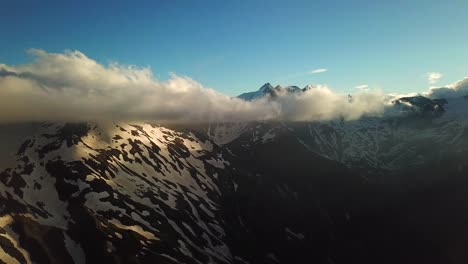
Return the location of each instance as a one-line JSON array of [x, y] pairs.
[[255, 192], [145, 193], [424, 129], [421, 104], [410, 104], [264, 90], [268, 90]]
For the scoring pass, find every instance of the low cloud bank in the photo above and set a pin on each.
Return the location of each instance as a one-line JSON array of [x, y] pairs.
[[457, 89], [72, 87]]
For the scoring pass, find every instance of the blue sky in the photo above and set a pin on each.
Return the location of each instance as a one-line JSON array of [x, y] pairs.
[[236, 46]]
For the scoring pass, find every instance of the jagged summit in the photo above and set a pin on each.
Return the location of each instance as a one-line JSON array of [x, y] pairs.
[[268, 90], [266, 87], [264, 90], [308, 87], [293, 89]]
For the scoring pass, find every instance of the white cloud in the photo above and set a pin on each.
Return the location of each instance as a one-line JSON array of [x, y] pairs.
[[433, 77], [72, 87], [321, 103], [456, 89], [318, 71], [362, 87]]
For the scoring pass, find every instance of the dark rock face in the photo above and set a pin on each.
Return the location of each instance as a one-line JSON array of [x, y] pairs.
[[423, 105], [271, 193]]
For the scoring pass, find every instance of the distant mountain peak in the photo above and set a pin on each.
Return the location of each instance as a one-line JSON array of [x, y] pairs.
[[308, 87], [268, 90], [421, 104], [293, 89], [267, 86]]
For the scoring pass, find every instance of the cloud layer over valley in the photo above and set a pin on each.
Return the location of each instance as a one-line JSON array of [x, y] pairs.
[[70, 86]]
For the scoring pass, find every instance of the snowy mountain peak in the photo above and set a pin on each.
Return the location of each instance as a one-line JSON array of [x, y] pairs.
[[293, 89], [268, 90], [266, 87]]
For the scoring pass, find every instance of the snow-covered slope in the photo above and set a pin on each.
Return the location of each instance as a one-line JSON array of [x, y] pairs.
[[142, 193], [264, 90], [391, 143], [96, 191]]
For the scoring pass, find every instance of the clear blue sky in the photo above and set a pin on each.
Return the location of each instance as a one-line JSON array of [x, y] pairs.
[[236, 46]]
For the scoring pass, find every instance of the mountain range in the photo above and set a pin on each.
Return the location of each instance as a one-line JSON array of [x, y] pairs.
[[389, 189], [268, 90]]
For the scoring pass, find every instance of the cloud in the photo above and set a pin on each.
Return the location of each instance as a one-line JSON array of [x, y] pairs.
[[70, 86], [457, 89], [362, 87], [433, 77], [321, 103], [316, 71]]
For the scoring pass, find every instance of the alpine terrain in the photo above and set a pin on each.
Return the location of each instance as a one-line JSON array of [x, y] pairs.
[[386, 189]]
